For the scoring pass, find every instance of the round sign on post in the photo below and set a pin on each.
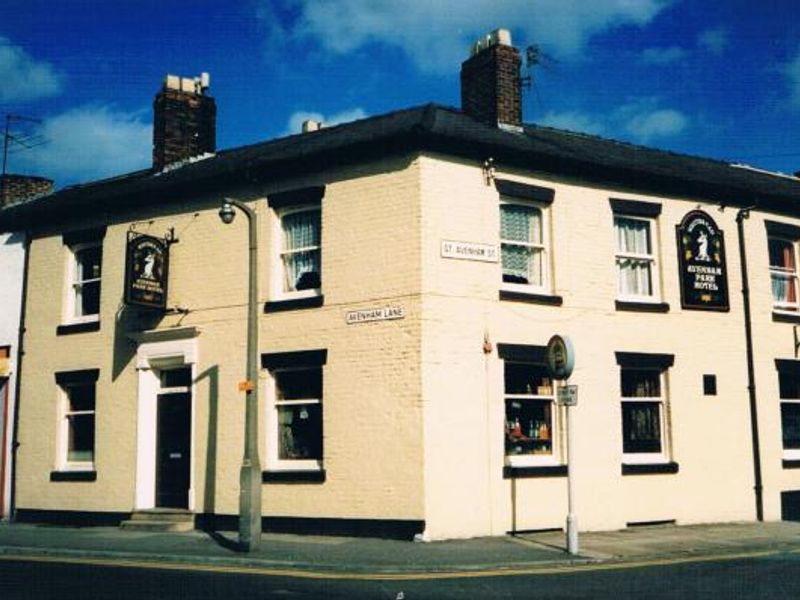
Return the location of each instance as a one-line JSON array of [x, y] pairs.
[[560, 357]]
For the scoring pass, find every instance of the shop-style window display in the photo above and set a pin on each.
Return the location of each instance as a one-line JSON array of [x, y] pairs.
[[529, 413], [642, 414], [789, 386], [298, 416]]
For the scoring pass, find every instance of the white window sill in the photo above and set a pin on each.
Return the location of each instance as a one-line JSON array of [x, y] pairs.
[[84, 319], [644, 459], [532, 461]]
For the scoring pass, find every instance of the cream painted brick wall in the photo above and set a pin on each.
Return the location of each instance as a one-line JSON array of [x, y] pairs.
[[372, 409], [710, 437]]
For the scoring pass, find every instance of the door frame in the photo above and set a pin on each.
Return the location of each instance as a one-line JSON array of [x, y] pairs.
[[161, 350]]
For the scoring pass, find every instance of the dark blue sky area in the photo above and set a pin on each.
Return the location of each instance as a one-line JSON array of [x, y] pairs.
[[713, 78]]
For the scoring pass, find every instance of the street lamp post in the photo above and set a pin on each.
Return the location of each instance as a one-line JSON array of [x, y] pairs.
[[250, 474]]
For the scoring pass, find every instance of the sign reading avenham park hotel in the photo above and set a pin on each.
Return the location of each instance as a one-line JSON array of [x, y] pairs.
[[146, 271], [701, 263]]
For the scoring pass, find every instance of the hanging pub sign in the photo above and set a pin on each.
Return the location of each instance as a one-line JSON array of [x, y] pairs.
[[146, 271], [701, 263]]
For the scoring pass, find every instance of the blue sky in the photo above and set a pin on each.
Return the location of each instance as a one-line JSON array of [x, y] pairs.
[[717, 78]]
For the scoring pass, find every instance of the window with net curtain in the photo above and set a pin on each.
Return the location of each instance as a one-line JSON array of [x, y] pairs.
[[635, 257], [86, 280], [300, 250], [522, 243], [783, 273]]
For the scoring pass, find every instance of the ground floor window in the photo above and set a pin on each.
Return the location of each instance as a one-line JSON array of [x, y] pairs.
[[789, 389], [643, 406], [77, 391], [295, 396], [531, 417]]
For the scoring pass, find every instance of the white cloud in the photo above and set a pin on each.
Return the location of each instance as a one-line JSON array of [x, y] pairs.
[[792, 72], [713, 40], [437, 34], [24, 78], [663, 56], [646, 125], [90, 142], [295, 122], [572, 121]]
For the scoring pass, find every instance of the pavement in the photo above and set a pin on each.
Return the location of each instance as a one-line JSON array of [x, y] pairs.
[[343, 557]]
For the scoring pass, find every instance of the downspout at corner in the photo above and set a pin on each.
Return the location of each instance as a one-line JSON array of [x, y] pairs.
[[741, 215]]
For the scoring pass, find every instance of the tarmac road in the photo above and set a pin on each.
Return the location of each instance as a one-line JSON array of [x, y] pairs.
[[764, 576]]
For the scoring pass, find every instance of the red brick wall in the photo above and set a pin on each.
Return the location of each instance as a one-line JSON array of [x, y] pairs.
[[184, 125], [14, 188], [490, 86]]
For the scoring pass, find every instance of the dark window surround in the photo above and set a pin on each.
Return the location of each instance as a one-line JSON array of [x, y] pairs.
[[635, 208], [650, 468], [302, 358], [73, 475], [84, 236], [783, 317], [648, 307], [531, 298], [643, 360], [525, 191], [784, 230], [308, 195], [303, 476], [76, 377], [85, 327], [294, 304], [531, 472], [523, 353], [709, 385], [791, 464]]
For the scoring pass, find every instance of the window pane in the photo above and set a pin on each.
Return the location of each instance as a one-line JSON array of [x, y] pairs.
[[641, 427], [299, 385], [81, 397], [522, 264], [88, 263], [301, 229], [520, 223], [634, 277], [784, 289], [80, 443], [633, 235], [176, 378], [640, 383], [790, 421], [525, 378], [88, 299], [781, 254], [302, 270], [300, 432], [789, 386], [529, 427]]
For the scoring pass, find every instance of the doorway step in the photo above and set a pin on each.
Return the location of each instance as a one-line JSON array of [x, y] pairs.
[[175, 520]]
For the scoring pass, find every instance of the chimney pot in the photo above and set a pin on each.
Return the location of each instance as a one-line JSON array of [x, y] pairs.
[[311, 125]]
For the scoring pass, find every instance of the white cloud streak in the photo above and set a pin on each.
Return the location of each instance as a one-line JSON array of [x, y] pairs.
[[23, 78], [437, 35], [714, 41], [90, 142], [572, 121], [792, 73], [663, 56]]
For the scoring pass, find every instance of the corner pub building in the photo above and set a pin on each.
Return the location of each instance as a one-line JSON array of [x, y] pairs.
[[412, 268]]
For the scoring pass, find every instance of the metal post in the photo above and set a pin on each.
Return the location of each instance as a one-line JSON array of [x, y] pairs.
[[572, 521], [250, 475]]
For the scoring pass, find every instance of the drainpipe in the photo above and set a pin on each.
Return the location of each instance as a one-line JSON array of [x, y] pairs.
[[12, 502], [741, 215]]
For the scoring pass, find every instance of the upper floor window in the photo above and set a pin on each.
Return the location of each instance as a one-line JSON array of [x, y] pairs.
[[85, 270], [297, 249], [637, 275], [523, 244], [783, 273], [300, 254]]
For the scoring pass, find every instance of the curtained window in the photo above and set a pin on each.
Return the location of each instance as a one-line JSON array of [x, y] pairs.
[[783, 273], [522, 239], [301, 249], [635, 258]]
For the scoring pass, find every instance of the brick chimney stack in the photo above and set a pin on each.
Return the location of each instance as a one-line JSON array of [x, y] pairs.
[[16, 188], [184, 120], [490, 81]]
